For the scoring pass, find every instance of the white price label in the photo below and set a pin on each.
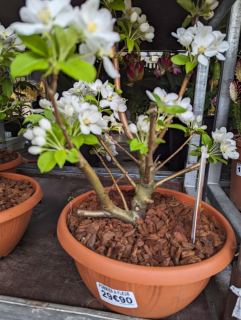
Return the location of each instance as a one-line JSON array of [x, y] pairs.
[[124, 299], [238, 169]]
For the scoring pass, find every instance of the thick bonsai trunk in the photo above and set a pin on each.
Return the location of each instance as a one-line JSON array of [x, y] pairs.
[[142, 198]]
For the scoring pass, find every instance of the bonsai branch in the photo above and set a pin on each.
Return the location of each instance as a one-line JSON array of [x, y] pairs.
[[179, 173], [90, 173], [149, 165], [116, 162], [93, 214], [114, 181], [161, 165], [122, 115]]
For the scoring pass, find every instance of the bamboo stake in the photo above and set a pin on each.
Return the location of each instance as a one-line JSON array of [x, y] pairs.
[[197, 206]]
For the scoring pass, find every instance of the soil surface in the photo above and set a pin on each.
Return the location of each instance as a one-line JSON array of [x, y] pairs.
[[161, 239], [7, 156], [14, 192]]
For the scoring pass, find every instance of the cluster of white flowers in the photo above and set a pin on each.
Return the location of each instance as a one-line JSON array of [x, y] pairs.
[[95, 26], [202, 42], [172, 99], [139, 21], [196, 123], [226, 143], [92, 116], [9, 42], [37, 136]]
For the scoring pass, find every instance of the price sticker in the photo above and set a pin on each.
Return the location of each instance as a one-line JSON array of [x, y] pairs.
[[124, 299], [238, 169]]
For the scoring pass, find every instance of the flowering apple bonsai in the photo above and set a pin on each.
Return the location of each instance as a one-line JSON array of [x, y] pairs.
[[92, 110]]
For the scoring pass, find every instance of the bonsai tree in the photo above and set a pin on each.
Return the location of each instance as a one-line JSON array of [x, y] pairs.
[[89, 112]]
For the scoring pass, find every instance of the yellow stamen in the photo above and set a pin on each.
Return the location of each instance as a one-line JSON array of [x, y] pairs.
[[44, 15], [91, 27]]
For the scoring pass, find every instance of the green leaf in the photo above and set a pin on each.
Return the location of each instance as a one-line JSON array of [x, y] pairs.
[[78, 141], [66, 40], [27, 62], [36, 44], [91, 139], [46, 161], [49, 114], [7, 87], [130, 44], [174, 109], [136, 145], [195, 153], [187, 21], [78, 69], [190, 65], [207, 140], [118, 5], [60, 157], [2, 115], [188, 5], [72, 156], [178, 127], [33, 118], [180, 59]]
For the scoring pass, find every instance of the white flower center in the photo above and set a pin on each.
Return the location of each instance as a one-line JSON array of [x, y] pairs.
[[87, 121], [44, 15], [91, 27], [201, 49]]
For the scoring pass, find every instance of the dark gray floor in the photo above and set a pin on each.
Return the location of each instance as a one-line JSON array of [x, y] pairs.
[[39, 269]]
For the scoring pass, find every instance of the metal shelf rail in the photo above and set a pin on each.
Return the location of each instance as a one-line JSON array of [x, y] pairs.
[[214, 191]]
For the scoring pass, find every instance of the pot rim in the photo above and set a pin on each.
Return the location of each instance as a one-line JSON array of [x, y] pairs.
[[24, 206], [11, 164], [148, 275]]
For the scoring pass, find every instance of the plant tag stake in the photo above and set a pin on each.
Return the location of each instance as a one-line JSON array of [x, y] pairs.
[[201, 177], [120, 298]]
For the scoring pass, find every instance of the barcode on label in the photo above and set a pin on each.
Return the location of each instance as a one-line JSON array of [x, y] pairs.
[[120, 298], [238, 169]]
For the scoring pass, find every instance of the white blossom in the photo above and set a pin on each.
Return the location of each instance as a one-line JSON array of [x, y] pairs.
[[112, 146], [166, 98], [143, 123], [37, 131], [112, 99], [35, 150], [44, 103], [188, 114], [45, 124], [228, 149], [96, 25], [221, 135], [29, 134], [133, 128], [39, 141], [41, 16], [91, 120], [184, 36]]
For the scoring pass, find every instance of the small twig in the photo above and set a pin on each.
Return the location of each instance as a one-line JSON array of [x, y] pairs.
[[122, 115], [114, 181], [126, 152], [116, 162], [179, 173], [161, 165]]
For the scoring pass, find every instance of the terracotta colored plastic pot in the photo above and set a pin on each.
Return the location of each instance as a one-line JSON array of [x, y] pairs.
[[14, 221], [158, 291], [11, 165], [235, 182]]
